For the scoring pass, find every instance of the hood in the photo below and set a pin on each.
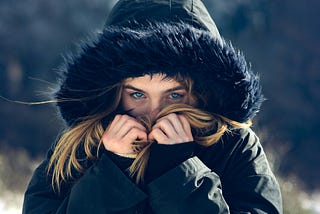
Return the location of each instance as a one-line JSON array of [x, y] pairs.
[[134, 13], [146, 37]]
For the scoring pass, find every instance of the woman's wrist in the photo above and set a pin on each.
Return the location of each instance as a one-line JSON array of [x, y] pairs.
[[123, 162], [126, 155]]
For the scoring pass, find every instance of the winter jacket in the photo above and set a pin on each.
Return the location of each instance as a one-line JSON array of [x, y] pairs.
[[147, 37], [231, 176]]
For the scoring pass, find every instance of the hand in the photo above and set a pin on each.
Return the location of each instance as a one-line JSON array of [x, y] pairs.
[[121, 133], [171, 129]]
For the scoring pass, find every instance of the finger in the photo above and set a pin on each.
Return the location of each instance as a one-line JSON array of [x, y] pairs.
[[115, 126], [176, 130], [123, 145], [133, 135], [110, 132], [176, 123], [129, 124], [186, 126], [114, 138], [166, 126], [119, 123], [123, 125], [158, 136], [114, 122]]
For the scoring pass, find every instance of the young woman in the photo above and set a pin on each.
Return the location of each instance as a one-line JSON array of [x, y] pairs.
[[157, 110]]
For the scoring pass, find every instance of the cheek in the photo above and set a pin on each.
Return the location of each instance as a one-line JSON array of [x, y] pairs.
[[191, 100], [125, 102], [136, 109]]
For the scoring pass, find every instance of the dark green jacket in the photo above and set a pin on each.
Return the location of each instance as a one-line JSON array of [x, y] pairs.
[[232, 176]]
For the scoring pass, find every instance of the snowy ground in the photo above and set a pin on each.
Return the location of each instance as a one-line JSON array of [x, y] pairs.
[[311, 202], [11, 203]]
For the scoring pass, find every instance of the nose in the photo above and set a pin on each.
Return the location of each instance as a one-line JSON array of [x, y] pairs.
[[154, 108], [153, 114]]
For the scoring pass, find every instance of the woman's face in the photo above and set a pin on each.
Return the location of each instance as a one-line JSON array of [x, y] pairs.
[[148, 95]]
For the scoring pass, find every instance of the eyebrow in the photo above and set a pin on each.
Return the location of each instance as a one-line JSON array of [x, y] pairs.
[[180, 87]]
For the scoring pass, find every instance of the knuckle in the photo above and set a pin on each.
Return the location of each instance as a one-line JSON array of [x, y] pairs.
[[172, 116], [155, 131], [118, 116], [124, 117], [182, 117], [165, 121], [135, 130], [131, 120], [127, 123]]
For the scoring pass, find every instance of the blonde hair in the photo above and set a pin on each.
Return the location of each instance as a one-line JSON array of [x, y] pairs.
[[207, 130], [86, 133]]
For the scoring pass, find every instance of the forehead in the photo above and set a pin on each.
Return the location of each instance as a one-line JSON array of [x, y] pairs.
[[158, 81]]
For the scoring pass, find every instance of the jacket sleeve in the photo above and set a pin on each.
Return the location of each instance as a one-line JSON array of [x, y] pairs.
[[102, 189], [40, 196], [192, 187], [249, 184]]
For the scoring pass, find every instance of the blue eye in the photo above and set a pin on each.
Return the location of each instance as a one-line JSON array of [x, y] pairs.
[[176, 96], [137, 95]]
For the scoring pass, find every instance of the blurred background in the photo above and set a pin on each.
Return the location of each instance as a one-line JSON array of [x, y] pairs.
[[279, 38]]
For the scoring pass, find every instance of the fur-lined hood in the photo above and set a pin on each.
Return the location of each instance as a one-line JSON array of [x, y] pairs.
[[144, 37]]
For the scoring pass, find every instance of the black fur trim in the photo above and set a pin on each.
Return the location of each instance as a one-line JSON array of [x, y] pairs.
[[218, 70]]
